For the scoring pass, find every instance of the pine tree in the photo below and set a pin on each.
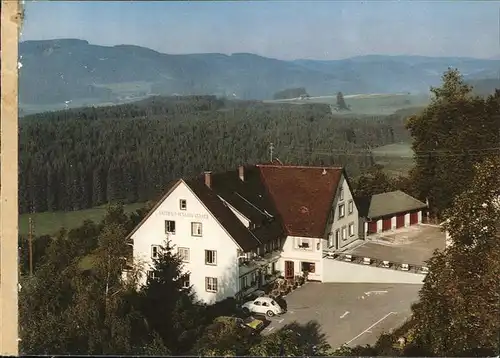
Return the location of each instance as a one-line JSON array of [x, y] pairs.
[[170, 307]]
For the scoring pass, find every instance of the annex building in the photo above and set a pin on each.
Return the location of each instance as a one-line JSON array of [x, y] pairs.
[[389, 211], [238, 230]]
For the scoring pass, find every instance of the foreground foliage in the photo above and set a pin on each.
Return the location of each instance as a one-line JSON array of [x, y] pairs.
[[459, 309], [454, 132]]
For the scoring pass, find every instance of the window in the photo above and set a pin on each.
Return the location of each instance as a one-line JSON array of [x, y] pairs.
[[341, 211], [182, 204], [211, 284], [265, 304], [330, 240], [308, 267], [304, 243], [155, 251], [183, 253], [350, 207], [169, 227], [344, 233], [341, 194], [186, 281], [351, 229], [196, 229], [318, 246], [254, 278], [337, 235], [257, 303], [243, 283], [210, 257]]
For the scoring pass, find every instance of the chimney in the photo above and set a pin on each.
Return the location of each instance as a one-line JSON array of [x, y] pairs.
[[241, 172], [208, 179]]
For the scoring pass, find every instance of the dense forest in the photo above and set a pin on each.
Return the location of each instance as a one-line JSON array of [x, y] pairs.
[[79, 158]]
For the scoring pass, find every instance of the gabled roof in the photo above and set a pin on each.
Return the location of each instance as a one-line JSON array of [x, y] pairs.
[[250, 203], [278, 200], [248, 196], [244, 237], [168, 189], [390, 203], [303, 196]]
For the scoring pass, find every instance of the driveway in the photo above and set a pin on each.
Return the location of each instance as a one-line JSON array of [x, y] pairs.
[[350, 313], [413, 245]]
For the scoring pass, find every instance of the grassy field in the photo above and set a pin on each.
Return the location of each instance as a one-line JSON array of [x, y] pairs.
[[396, 158], [48, 223], [368, 104]]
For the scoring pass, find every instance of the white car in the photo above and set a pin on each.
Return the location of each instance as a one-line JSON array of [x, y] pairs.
[[263, 305]]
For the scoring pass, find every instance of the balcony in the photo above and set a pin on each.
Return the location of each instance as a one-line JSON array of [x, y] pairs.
[[248, 265]]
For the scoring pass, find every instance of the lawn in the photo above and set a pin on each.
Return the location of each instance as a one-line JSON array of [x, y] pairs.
[[48, 223]]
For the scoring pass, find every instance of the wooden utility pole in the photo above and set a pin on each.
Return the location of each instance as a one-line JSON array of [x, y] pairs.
[[30, 244], [11, 18]]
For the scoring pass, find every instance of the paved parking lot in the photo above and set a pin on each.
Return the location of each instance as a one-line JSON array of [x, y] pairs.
[[351, 313], [412, 245]]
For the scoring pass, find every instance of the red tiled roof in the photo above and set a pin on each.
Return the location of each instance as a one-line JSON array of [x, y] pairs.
[[302, 195]]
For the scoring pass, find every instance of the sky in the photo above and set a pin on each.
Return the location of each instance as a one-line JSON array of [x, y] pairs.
[[286, 30]]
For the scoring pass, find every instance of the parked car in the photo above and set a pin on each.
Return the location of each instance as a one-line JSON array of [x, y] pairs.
[[263, 305], [254, 324]]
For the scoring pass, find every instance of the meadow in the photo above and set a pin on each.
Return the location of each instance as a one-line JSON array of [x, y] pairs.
[[396, 158], [49, 223], [368, 104]]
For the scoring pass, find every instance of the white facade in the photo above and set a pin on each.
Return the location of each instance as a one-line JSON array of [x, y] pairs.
[[223, 250], [299, 250], [342, 229]]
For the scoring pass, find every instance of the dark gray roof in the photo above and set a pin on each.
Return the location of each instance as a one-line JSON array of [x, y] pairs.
[[393, 202], [249, 197]]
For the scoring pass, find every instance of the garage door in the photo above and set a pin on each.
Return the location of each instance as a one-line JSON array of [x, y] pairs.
[[386, 224], [372, 227], [413, 218], [400, 221]]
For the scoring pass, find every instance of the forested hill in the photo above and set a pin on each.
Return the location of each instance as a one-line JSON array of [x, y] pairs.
[[85, 157], [72, 72]]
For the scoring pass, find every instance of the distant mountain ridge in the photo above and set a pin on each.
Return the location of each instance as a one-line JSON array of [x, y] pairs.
[[72, 72]]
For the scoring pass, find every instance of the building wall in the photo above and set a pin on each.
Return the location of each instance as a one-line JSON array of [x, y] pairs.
[[407, 219], [338, 271], [292, 252], [214, 237], [393, 222], [362, 228], [335, 223]]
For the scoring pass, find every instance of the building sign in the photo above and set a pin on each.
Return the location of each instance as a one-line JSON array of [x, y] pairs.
[[183, 214]]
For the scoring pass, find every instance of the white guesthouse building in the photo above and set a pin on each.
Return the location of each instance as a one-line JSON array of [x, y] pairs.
[[240, 229]]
